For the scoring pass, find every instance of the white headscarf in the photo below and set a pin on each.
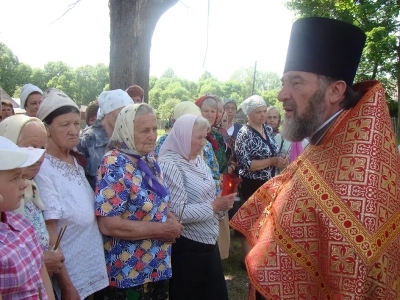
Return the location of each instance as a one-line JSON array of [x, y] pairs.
[[52, 100], [252, 103], [112, 100], [26, 90]]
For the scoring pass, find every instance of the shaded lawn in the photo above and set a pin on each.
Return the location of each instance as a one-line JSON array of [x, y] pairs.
[[236, 278]]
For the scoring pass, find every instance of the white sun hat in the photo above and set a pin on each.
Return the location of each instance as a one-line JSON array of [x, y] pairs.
[[13, 157]]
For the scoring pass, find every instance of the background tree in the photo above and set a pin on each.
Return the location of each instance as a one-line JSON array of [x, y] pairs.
[[165, 109], [8, 69], [380, 20], [132, 23]]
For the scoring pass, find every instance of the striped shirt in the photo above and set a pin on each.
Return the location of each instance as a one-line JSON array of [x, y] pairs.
[[193, 185]]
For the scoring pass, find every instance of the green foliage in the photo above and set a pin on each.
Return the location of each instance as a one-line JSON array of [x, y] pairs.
[[8, 67], [82, 84], [85, 83], [210, 86], [165, 109], [379, 19], [168, 88]]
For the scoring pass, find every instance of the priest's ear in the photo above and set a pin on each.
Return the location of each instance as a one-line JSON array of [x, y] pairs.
[[336, 92]]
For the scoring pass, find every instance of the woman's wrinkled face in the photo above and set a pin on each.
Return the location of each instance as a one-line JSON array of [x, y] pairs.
[[209, 113], [230, 110], [259, 115], [64, 130], [145, 134], [33, 135], [199, 135]]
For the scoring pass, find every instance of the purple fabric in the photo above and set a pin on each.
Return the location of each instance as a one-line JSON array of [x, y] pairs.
[[150, 179], [295, 150]]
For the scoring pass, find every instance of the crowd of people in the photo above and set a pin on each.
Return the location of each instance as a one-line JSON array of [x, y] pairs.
[[110, 212]]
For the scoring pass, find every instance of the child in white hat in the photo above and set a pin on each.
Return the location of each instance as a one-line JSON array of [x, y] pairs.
[[22, 274]]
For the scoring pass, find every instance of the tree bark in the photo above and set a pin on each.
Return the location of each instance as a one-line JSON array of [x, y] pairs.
[[132, 23]]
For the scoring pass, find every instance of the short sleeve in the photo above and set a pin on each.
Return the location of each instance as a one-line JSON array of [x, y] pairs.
[[211, 161], [113, 186], [49, 194], [243, 149]]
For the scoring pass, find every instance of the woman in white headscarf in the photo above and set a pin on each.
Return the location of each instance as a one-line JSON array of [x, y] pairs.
[[94, 140], [132, 209], [69, 201], [196, 263]]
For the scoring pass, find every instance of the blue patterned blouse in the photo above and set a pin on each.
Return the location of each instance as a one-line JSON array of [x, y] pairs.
[[120, 191]]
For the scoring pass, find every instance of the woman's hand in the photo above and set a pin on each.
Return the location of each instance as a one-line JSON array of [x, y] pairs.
[[279, 162], [223, 203], [53, 260], [172, 229]]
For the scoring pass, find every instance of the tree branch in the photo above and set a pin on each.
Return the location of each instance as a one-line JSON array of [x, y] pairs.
[[71, 6]]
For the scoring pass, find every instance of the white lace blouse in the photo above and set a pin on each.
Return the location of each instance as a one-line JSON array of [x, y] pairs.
[[69, 199]]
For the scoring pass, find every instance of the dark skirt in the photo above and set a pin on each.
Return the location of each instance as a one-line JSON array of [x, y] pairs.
[[196, 272], [247, 188], [158, 290]]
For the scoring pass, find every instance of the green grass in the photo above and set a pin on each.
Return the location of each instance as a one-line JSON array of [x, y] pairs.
[[236, 278]]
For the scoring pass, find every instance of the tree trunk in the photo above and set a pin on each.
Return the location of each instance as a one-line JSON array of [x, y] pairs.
[[132, 23]]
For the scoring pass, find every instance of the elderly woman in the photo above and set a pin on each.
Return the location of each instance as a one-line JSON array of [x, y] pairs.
[[31, 98], [230, 108], [69, 201], [212, 109], [132, 209], [256, 151], [30, 132], [196, 260], [136, 93], [94, 140], [184, 108]]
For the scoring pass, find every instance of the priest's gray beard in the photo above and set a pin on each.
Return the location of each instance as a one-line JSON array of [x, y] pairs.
[[297, 128]]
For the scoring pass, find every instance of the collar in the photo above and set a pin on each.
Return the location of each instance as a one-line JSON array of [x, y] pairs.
[[317, 135], [9, 222], [101, 138]]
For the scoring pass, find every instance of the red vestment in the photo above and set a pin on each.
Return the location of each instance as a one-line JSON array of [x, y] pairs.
[[328, 227]]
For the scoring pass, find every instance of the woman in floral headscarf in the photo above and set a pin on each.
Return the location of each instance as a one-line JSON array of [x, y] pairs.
[[132, 209]]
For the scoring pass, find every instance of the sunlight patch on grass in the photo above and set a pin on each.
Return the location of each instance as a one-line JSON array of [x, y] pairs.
[[229, 277]]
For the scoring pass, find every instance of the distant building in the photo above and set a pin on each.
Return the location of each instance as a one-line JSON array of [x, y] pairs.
[[4, 96]]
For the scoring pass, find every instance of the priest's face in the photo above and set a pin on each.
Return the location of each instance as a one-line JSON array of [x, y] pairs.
[[304, 102]]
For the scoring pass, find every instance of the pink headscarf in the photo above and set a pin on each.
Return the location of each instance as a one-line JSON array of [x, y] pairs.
[[179, 140]]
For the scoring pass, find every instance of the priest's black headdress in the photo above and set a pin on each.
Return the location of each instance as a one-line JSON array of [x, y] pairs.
[[326, 47]]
